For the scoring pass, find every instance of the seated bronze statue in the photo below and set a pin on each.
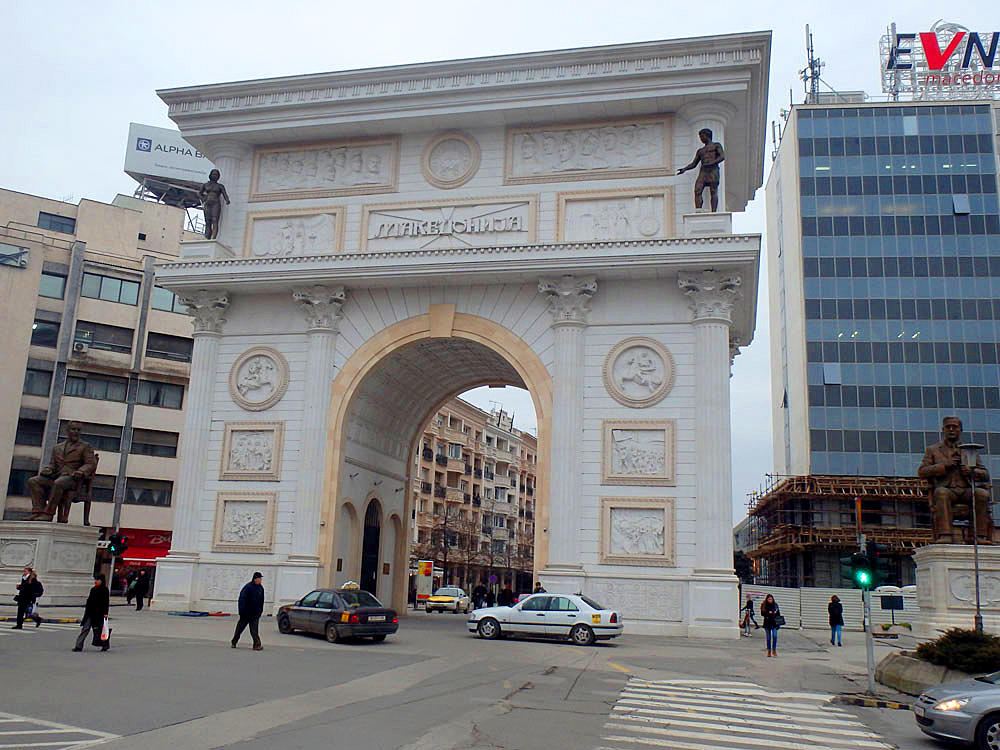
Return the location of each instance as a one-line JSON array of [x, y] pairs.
[[66, 478], [951, 483]]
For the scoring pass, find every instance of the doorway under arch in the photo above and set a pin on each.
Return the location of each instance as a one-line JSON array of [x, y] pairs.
[[370, 548]]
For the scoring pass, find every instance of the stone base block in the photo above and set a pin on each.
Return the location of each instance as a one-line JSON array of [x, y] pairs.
[[62, 554], [946, 591], [707, 224], [912, 676], [183, 583], [205, 250]]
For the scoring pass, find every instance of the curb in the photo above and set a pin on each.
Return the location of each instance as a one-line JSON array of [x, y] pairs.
[[74, 620], [858, 700]]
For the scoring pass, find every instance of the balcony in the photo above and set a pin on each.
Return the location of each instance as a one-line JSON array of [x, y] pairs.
[[439, 491], [441, 459], [454, 493], [489, 474], [427, 454], [425, 487]]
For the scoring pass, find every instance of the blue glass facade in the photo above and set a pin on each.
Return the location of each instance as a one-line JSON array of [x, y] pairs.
[[901, 259]]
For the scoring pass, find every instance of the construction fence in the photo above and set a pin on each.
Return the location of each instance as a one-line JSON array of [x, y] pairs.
[[807, 607]]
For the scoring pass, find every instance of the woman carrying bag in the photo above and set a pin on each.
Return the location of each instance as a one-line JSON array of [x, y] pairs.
[[28, 591], [773, 620]]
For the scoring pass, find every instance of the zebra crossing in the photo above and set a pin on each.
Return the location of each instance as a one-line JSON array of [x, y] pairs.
[[709, 714], [29, 628], [26, 731]]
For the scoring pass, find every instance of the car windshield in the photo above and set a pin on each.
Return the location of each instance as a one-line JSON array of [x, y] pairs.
[[993, 678], [359, 598], [448, 592], [591, 603]]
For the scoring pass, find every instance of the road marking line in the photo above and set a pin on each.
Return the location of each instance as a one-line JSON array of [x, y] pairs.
[[708, 701], [768, 698], [736, 728], [759, 741], [619, 667], [763, 718], [747, 690]]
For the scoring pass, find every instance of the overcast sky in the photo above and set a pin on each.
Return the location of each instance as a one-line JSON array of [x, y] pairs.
[[78, 73]]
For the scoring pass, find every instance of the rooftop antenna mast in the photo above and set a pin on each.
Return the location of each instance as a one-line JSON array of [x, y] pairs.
[[810, 74]]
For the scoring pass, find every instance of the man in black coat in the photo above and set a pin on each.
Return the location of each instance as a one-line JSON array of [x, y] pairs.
[[251, 607], [141, 589], [28, 591], [96, 609]]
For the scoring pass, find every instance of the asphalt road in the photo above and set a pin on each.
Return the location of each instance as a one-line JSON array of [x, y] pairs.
[[174, 682]]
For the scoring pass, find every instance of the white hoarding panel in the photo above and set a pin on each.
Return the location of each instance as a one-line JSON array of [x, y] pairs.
[[161, 152]]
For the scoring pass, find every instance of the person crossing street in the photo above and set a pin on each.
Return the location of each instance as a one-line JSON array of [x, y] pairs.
[[250, 607], [96, 609]]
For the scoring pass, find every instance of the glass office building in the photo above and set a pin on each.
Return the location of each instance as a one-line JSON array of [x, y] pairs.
[[884, 275]]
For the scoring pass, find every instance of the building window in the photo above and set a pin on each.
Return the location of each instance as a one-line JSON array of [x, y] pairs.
[[148, 492], [17, 483], [501, 494], [454, 450], [101, 387], [101, 336], [37, 382], [154, 443], [163, 299], [498, 521], [64, 224], [163, 346], [110, 289], [44, 333], [498, 547], [51, 285], [142, 236], [29, 431], [166, 395], [103, 488], [104, 437]]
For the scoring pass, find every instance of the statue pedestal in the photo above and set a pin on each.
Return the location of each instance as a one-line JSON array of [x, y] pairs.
[[62, 554], [195, 250], [946, 588], [707, 224]]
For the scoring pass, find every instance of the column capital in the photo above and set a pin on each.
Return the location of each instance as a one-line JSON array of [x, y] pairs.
[[707, 109], [569, 298], [207, 310], [321, 306], [222, 148], [711, 295]]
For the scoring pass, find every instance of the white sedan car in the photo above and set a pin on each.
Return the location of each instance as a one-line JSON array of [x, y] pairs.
[[571, 616]]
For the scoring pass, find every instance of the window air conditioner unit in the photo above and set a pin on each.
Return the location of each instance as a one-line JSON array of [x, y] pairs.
[[80, 347]]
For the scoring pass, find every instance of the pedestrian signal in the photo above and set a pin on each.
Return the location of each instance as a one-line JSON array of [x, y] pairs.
[[117, 544]]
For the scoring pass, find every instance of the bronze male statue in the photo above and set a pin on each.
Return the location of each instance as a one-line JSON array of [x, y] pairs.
[[951, 483], [212, 194], [710, 156], [70, 469]]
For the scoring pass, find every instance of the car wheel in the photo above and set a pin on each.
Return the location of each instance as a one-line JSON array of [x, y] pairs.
[[988, 733], [489, 629], [284, 625], [332, 634], [378, 638], [582, 635]]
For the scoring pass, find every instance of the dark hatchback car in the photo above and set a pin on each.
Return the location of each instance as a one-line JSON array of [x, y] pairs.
[[339, 614]]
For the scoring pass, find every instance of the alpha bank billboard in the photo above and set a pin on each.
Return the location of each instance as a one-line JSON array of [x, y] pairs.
[[162, 154], [947, 62]]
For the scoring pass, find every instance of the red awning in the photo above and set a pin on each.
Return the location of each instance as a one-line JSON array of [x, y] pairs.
[[145, 545], [143, 555]]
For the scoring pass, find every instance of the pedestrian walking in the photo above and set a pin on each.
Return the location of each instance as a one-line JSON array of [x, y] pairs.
[[538, 588], [490, 598], [250, 607], [748, 617], [28, 591], [836, 610], [94, 613], [773, 620], [130, 580], [141, 589]]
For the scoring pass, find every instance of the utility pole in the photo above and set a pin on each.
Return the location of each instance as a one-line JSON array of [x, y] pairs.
[[866, 599]]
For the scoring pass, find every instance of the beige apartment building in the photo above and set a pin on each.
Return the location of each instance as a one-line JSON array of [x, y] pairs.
[[474, 498], [89, 337]]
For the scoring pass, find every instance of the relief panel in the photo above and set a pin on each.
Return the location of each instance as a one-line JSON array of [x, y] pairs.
[[259, 378], [637, 147], [252, 451], [319, 170], [638, 372], [614, 215], [283, 234], [225, 581], [17, 552], [656, 600], [244, 522], [637, 531], [638, 452]]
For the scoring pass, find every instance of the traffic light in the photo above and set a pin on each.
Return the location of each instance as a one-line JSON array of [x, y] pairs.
[[847, 572], [861, 571], [878, 557], [117, 544]]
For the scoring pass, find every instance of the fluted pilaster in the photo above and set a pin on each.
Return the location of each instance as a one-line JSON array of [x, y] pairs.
[[569, 302], [711, 296], [321, 306]]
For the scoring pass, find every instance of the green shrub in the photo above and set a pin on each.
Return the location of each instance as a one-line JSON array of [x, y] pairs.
[[964, 650]]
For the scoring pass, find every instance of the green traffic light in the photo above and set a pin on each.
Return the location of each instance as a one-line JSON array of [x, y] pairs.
[[863, 578]]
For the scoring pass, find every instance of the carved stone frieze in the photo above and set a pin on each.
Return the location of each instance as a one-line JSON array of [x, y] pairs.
[[569, 298], [258, 378], [611, 215], [224, 582], [638, 372], [252, 451], [207, 310], [637, 531], [321, 305], [711, 295], [295, 233], [17, 553], [638, 452], [244, 522], [655, 600], [450, 160]]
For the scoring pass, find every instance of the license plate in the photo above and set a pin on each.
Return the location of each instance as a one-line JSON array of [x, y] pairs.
[[918, 710], [376, 618]]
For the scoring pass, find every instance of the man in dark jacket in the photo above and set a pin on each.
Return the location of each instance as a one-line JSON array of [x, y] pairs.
[[251, 607], [141, 589], [94, 613], [28, 591]]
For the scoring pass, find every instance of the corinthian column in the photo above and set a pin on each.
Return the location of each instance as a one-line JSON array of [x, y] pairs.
[[569, 303], [321, 306], [207, 310], [711, 296]]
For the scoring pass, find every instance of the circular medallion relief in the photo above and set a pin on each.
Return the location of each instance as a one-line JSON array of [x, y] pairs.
[[259, 378], [638, 372], [450, 160]]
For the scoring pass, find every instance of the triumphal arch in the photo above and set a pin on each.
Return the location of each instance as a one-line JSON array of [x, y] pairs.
[[399, 235]]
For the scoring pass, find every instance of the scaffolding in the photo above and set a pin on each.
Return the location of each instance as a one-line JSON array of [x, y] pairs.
[[800, 526]]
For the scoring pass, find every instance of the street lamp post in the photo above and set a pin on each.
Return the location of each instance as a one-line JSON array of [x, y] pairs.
[[970, 457]]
